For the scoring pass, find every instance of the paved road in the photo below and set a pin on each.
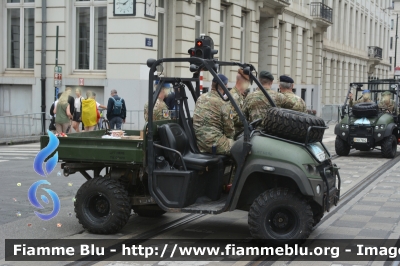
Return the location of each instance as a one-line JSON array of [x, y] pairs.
[[16, 167], [17, 218]]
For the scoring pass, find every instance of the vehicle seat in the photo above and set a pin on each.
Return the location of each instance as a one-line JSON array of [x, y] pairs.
[[173, 136]]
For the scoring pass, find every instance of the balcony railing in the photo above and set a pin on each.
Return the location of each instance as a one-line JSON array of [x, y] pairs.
[[374, 52], [322, 11]]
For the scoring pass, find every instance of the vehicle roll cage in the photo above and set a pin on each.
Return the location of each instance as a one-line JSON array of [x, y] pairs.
[[372, 86], [197, 64]]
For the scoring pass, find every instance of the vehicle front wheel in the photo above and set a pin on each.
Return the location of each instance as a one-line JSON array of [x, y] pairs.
[[342, 148], [389, 147], [102, 206], [280, 215]]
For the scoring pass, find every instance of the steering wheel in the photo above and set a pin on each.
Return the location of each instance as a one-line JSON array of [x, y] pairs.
[[253, 125]]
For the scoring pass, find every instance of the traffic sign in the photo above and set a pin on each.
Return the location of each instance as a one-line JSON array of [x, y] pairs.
[[57, 76]]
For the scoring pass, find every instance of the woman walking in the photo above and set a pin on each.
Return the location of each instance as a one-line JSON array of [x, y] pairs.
[[63, 114], [90, 113], [77, 106]]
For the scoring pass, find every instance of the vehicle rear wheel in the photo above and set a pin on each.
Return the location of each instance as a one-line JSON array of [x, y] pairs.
[[280, 215], [342, 148], [148, 211], [293, 125], [102, 206], [389, 147]]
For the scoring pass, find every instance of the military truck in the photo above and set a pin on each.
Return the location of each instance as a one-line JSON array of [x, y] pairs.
[[283, 175], [365, 126]]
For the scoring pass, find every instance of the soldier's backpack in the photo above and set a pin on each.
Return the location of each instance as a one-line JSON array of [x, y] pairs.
[[117, 106]]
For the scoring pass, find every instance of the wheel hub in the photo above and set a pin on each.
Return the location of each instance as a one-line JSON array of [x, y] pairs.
[[102, 206], [280, 220]]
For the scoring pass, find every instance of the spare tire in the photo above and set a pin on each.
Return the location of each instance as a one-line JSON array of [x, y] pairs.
[[365, 109], [293, 125]]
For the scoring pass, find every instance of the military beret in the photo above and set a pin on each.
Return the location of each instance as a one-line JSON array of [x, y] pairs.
[[386, 93], [366, 91], [286, 79], [241, 72], [266, 75], [223, 78]]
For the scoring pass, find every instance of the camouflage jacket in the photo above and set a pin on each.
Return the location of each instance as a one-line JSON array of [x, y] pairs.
[[213, 123], [256, 104], [293, 102], [160, 111], [239, 99], [389, 107]]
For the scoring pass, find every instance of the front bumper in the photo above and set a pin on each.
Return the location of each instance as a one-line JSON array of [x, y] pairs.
[[332, 194], [329, 173]]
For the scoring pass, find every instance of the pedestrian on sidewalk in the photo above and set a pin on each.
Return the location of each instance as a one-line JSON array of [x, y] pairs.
[[116, 110], [63, 114], [52, 126], [77, 110], [90, 113]]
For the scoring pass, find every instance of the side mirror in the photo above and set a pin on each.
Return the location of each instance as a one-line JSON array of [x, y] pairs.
[[150, 62]]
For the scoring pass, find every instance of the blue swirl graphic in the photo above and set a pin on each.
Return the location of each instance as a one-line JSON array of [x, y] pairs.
[[32, 198], [44, 153]]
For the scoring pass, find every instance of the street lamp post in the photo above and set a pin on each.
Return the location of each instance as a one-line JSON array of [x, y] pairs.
[[395, 45]]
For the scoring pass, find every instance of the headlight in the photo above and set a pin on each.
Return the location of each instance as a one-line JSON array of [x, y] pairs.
[[318, 189], [382, 126], [347, 126], [376, 127]]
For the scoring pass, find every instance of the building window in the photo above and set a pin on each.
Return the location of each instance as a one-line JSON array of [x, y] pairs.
[[162, 22], [222, 31], [243, 38], [303, 94], [91, 34], [199, 29], [20, 33], [392, 24], [391, 43], [390, 59]]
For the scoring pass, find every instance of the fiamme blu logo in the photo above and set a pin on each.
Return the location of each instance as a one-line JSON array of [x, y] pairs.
[[44, 169]]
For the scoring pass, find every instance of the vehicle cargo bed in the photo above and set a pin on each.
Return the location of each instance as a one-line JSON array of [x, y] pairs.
[[91, 147]]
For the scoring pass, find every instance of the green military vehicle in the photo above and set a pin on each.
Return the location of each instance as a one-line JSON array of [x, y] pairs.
[[366, 125], [284, 176]]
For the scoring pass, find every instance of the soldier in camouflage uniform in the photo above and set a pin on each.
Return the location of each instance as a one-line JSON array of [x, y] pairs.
[[256, 104], [237, 92], [366, 98], [291, 101], [387, 103], [213, 121], [160, 111]]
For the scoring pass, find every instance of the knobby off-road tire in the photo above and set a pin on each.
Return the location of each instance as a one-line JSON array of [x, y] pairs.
[[292, 125], [317, 218], [389, 147], [365, 109], [102, 206], [342, 148], [281, 216]]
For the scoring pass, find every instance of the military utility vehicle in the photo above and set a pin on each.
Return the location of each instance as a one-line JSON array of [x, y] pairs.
[[369, 125], [284, 176]]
